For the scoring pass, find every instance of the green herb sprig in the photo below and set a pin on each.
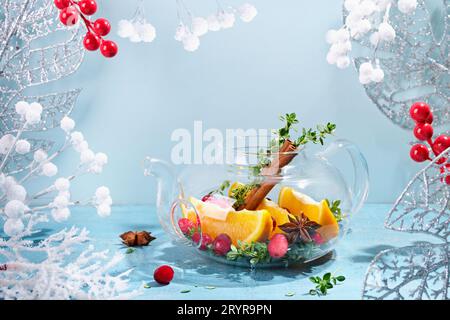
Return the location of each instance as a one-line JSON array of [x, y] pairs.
[[221, 189], [335, 209], [240, 193], [324, 284], [310, 135], [256, 251]]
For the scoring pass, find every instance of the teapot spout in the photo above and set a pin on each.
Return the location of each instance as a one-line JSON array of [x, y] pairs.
[[166, 180]]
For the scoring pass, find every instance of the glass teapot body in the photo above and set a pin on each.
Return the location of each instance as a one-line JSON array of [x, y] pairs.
[[244, 213]]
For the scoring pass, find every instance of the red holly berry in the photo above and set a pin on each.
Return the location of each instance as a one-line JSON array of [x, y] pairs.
[[447, 179], [108, 48], [278, 246], [88, 7], [423, 131], [419, 153], [102, 27], [222, 244], [61, 4], [185, 225], [69, 16], [163, 274], [441, 144], [430, 118], [420, 111], [91, 41]]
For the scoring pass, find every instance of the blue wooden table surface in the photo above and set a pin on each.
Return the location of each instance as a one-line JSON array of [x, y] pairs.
[[211, 280]]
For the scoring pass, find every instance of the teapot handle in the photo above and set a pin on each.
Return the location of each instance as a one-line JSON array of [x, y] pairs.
[[360, 188]]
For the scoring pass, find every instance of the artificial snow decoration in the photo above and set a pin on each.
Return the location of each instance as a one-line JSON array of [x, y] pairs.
[[46, 266], [213, 23], [191, 42], [386, 32], [199, 26], [247, 12], [226, 19], [137, 29], [407, 6]]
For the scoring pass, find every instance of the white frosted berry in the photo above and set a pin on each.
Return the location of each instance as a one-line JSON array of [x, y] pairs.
[[101, 158], [351, 4], [23, 146], [36, 107], [60, 214], [247, 12], [343, 62], [62, 184], [32, 117], [6, 143], [16, 192], [191, 42], [331, 36], [76, 137], [382, 4], [22, 107], [365, 79], [374, 38], [40, 155], [49, 169], [146, 31], [101, 193], [226, 19], [80, 147], [343, 35], [125, 29], [87, 156], [368, 7], [364, 26], [135, 37], [95, 168], [13, 227], [107, 201], [407, 6], [67, 124], [14, 209], [377, 75], [8, 183], [180, 32], [213, 23], [332, 57], [199, 26], [60, 201], [103, 210], [366, 69], [386, 32]]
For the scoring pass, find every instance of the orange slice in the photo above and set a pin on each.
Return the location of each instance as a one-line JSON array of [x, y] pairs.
[[245, 225], [277, 213]]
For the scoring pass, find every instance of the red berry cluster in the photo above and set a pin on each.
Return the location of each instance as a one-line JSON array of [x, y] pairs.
[[71, 11], [421, 113]]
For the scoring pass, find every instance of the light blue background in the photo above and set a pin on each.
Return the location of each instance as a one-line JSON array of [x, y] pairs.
[[242, 77]]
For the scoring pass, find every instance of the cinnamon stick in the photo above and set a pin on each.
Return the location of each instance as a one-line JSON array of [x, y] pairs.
[[285, 155]]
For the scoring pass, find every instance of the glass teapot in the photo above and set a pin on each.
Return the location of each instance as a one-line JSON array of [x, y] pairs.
[[262, 209]]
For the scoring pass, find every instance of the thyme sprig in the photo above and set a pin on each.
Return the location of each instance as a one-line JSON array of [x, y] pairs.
[[335, 209], [240, 193], [256, 251], [325, 283]]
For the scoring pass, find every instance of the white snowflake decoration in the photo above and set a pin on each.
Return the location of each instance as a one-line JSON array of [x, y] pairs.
[[137, 29]]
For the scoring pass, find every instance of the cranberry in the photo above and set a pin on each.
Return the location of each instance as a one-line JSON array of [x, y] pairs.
[[206, 198], [163, 274], [423, 131], [61, 4], [419, 153], [108, 48], [91, 41], [206, 240], [429, 119], [102, 26], [88, 7], [69, 16], [185, 225], [222, 244], [317, 238], [441, 144], [420, 111], [278, 246]]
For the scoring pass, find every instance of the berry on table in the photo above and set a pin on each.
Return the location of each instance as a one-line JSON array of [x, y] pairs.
[[91, 41], [278, 246], [69, 16], [419, 153], [163, 274], [420, 111], [222, 244], [423, 131], [61, 4], [102, 27], [441, 143], [185, 225], [108, 48], [88, 7]]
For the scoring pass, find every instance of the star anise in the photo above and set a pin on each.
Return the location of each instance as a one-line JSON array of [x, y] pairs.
[[299, 228], [136, 238]]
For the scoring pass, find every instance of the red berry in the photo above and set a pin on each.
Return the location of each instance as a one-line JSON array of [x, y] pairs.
[[447, 179], [69, 16], [441, 144], [91, 41], [317, 238], [102, 27], [419, 153], [61, 4], [206, 198], [420, 111], [185, 225], [108, 48], [88, 7], [423, 131], [278, 246], [163, 274], [222, 244], [206, 240], [441, 160], [430, 118]]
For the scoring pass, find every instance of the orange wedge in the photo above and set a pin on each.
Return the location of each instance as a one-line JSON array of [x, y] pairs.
[[296, 203], [245, 225], [280, 215]]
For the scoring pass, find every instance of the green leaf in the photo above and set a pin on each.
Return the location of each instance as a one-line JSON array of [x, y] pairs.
[[312, 292], [147, 286], [327, 276], [290, 294], [329, 286], [185, 291], [313, 279], [323, 290], [340, 278], [130, 250]]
